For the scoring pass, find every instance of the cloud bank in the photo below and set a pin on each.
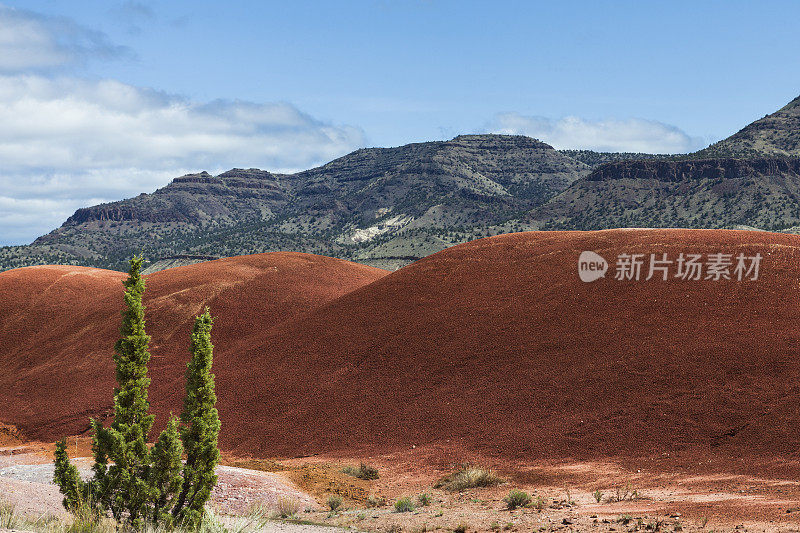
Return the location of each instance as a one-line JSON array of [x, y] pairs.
[[613, 135], [75, 142], [68, 142]]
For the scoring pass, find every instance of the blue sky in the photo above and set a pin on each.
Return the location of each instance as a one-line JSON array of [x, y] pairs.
[[101, 100]]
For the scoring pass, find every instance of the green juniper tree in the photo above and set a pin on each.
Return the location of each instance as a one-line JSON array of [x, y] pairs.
[[122, 486], [165, 472], [133, 482], [67, 478], [199, 435]]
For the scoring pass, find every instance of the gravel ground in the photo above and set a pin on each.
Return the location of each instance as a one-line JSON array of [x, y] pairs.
[[29, 487]]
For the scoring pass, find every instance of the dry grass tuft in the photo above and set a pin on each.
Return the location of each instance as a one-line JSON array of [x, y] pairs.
[[468, 476]]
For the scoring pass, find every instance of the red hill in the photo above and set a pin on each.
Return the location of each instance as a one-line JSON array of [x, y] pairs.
[[495, 346], [498, 347], [58, 326]]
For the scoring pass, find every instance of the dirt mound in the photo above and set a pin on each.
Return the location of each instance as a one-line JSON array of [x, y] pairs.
[[58, 325], [498, 347]]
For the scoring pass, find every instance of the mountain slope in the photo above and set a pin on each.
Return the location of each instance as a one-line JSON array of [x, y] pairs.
[[496, 346], [777, 134], [434, 194], [713, 193]]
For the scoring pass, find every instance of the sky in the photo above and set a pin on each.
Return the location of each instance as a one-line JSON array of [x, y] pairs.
[[102, 100]]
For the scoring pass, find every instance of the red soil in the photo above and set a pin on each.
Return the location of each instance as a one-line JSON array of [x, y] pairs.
[[497, 347], [58, 325], [493, 347]]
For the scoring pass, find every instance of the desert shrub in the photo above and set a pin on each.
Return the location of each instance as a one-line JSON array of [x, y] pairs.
[[516, 498], [364, 471], [424, 500], [404, 505], [467, 477], [598, 495], [538, 503], [334, 502], [461, 528], [375, 501], [626, 493], [286, 507]]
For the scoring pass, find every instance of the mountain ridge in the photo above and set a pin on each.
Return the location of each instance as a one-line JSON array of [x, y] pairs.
[[387, 207], [342, 208], [775, 134]]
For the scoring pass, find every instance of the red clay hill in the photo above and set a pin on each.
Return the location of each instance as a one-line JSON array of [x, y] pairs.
[[498, 347], [58, 325], [494, 346]]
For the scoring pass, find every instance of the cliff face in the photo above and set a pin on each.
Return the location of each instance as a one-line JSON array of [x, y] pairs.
[[194, 198], [676, 171], [715, 193]]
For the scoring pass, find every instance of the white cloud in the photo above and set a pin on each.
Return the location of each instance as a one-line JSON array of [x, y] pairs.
[[612, 135], [31, 41], [76, 142]]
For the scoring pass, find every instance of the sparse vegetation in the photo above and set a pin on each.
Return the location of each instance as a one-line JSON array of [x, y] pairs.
[[466, 477], [286, 507], [539, 503], [86, 520], [598, 495], [424, 500], [461, 528], [334, 502], [625, 493], [375, 501], [364, 471], [516, 498], [404, 505]]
